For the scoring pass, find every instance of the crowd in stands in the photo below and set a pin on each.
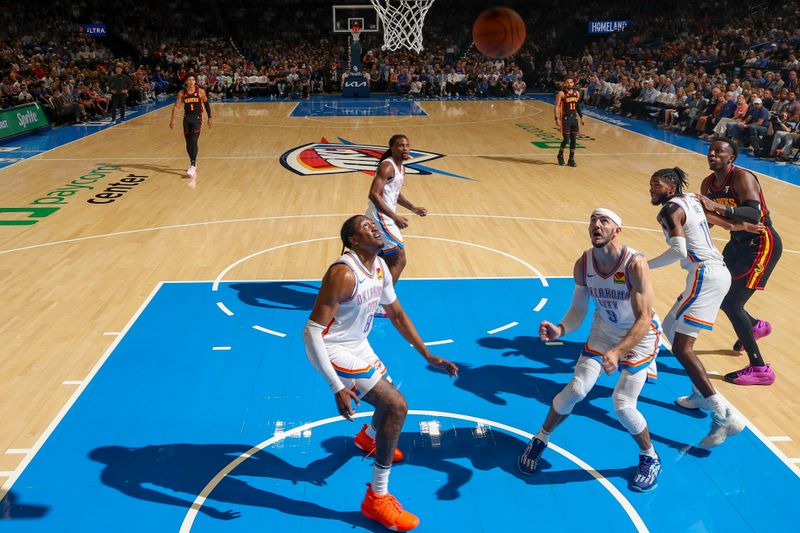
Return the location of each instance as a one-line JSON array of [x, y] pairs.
[[705, 70], [718, 72]]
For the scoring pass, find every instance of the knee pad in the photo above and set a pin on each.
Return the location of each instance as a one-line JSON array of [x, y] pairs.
[[628, 415], [570, 395]]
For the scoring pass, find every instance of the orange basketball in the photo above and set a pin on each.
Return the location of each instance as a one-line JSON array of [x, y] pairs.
[[498, 32]]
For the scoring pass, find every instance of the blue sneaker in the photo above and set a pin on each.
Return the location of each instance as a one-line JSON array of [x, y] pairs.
[[530, 457], [646, 478]]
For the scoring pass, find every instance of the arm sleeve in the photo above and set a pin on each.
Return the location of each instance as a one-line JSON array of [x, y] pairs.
[[318, 355], [750, 211], [675, 252], [578, 108], [577, 311], [207, 105]]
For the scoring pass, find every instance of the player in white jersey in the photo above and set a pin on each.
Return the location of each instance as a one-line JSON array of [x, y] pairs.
[[624, 336], [384, 197], [707, 282], [335, 339]]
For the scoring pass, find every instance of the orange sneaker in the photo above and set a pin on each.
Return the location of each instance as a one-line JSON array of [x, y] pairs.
[[385, 508], [366, 443]]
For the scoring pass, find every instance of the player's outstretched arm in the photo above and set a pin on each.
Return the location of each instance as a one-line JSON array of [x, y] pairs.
[[577, 311], [642, 303], [337, 285], [672, 218], [403, 323]]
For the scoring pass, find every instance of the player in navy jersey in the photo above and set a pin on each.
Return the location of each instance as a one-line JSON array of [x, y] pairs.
[[194, 100], [733, 194], [567, 111]]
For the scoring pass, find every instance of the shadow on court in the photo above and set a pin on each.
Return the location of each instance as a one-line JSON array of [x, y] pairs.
[[174, 474], [493, 383], [286, 295], [485, 449], [160, 169], [179, 472], [12, 509], [562, 358]]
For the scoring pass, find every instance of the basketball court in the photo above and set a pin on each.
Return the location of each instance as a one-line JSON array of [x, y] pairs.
[[154, 375]]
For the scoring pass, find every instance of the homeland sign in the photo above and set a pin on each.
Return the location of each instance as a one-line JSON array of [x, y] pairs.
[[608, 26]]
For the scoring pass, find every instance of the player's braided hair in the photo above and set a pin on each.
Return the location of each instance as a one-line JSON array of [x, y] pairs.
[[674, 175], [388, 153], [348, 230]]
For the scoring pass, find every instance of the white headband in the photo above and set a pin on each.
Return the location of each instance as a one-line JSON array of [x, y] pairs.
[[607, 213]]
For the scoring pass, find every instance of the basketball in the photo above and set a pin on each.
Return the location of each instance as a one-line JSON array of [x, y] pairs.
[[498, 32]]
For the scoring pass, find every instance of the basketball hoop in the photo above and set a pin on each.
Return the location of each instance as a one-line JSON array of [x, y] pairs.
[[355, 32], [402, 22]]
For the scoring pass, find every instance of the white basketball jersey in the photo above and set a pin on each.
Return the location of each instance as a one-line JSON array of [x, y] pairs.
[[353, 320], [699, 246], [612, 292], [393, 185]]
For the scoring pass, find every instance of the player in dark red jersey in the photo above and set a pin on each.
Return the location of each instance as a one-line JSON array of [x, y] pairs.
[[194, 100], [567, 111], [732, 193]]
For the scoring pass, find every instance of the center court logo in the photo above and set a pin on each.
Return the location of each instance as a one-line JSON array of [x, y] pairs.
[[344, 157]]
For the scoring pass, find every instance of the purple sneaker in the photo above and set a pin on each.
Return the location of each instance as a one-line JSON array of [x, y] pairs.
[[760, 330], [752, 375]]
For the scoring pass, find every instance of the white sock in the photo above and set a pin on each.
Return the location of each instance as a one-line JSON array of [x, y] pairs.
[[544, 436], [717, 405], [650, 452], [370, 431], [380, 478]]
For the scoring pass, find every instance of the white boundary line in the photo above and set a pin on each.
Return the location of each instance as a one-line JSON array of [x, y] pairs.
[[221, 275], [75, 395], [283, 217], [221, 348], [224, 309], [269, 331], [316, 280], [502, 328], [438, 343], [18, 451], [539, 306], [779, 438], [191, 515]]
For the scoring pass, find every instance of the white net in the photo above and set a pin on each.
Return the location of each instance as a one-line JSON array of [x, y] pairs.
[[402, 22]]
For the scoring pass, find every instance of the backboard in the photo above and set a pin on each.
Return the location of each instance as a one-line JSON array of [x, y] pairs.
[[344, 16]]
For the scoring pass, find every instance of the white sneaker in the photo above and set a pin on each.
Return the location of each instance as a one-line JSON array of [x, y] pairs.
[[722, 428], [694, 401], [191, 171]]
